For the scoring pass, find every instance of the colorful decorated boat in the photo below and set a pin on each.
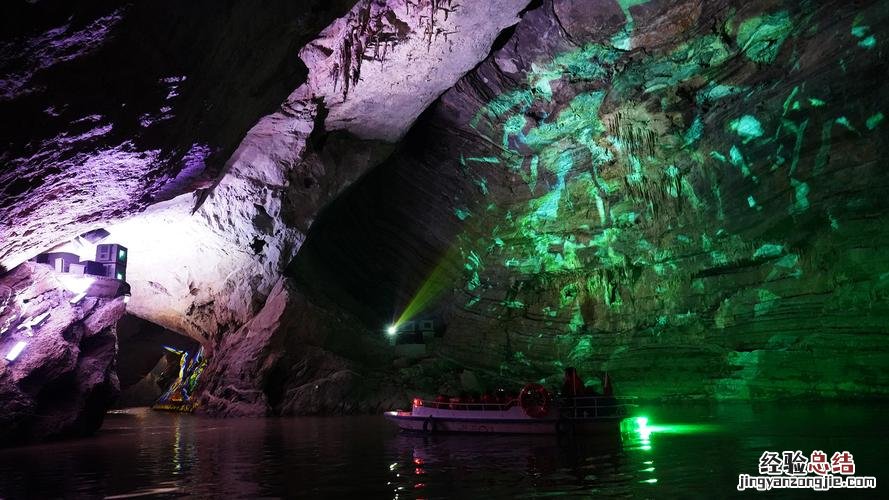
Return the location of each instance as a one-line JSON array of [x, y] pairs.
[[179, 397], [533, 411]]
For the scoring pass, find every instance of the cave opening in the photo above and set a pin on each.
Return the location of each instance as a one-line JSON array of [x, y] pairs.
[[148, 361]]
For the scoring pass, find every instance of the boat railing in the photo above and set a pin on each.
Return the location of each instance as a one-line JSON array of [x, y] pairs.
[[570, 407], [594, 406], [472, 406]]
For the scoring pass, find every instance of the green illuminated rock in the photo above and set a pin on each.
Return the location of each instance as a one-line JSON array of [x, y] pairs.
[[761, 37], [702, 214]]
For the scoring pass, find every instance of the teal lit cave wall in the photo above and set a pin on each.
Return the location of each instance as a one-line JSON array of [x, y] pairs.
[[697, 206], [704, 219]]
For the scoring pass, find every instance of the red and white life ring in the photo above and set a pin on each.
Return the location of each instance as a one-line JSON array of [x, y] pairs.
[[535, 400]]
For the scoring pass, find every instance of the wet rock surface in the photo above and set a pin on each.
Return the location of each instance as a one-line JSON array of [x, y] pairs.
[[64, 380]]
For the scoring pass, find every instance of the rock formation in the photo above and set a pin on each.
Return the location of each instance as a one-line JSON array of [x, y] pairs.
[[125, 105], [255, 218], [684, 194], [64, 379]]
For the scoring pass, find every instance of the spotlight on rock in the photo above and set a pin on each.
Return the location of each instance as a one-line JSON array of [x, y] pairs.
[[76, 284], [16, 350]]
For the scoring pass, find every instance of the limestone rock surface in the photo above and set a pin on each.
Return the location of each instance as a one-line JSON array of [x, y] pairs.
[[65, 379]]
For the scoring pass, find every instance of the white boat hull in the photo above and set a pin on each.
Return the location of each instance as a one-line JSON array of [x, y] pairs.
[[512, 421]]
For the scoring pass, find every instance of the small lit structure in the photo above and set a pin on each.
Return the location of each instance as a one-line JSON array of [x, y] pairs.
[[90, 267], [114, 258], [111, 252], [110, 262], [61, 261], [410, 337]]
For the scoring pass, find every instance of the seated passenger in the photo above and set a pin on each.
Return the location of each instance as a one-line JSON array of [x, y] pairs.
[[488, 401], [572, 386], [500, 396], [608, 402]]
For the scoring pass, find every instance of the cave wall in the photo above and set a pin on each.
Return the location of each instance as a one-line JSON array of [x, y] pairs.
[[210, 269], [113, 106], [686, 194], [209, 264], [210, 227], [300, 356]]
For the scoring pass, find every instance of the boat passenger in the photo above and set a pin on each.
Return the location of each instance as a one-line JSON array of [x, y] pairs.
[[607, 390], [572, 386], [608, 402], [488, 401]]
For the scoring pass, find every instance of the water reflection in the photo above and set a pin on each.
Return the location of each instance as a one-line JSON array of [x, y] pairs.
[[676, 452], [438, 466]]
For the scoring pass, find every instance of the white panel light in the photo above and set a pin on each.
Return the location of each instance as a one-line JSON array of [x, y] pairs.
[[39, 319], [16, 350]]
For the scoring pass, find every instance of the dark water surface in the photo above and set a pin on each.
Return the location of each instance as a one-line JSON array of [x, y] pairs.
[[685, 452]]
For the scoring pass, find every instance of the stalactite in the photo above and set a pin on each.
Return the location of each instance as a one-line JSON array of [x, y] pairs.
[[375, 29]]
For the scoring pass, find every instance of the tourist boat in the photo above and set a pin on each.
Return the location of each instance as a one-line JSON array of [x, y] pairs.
[[533, 411]]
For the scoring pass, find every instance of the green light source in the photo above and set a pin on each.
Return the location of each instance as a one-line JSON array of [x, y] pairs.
[[392, 330], [640, 427], [644, 431], [440, 279]]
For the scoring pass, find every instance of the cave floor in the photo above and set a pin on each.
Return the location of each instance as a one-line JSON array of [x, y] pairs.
[[686, 451]]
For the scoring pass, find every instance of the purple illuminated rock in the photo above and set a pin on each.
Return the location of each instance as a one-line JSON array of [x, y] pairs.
[[118, 107], [64, 380]]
